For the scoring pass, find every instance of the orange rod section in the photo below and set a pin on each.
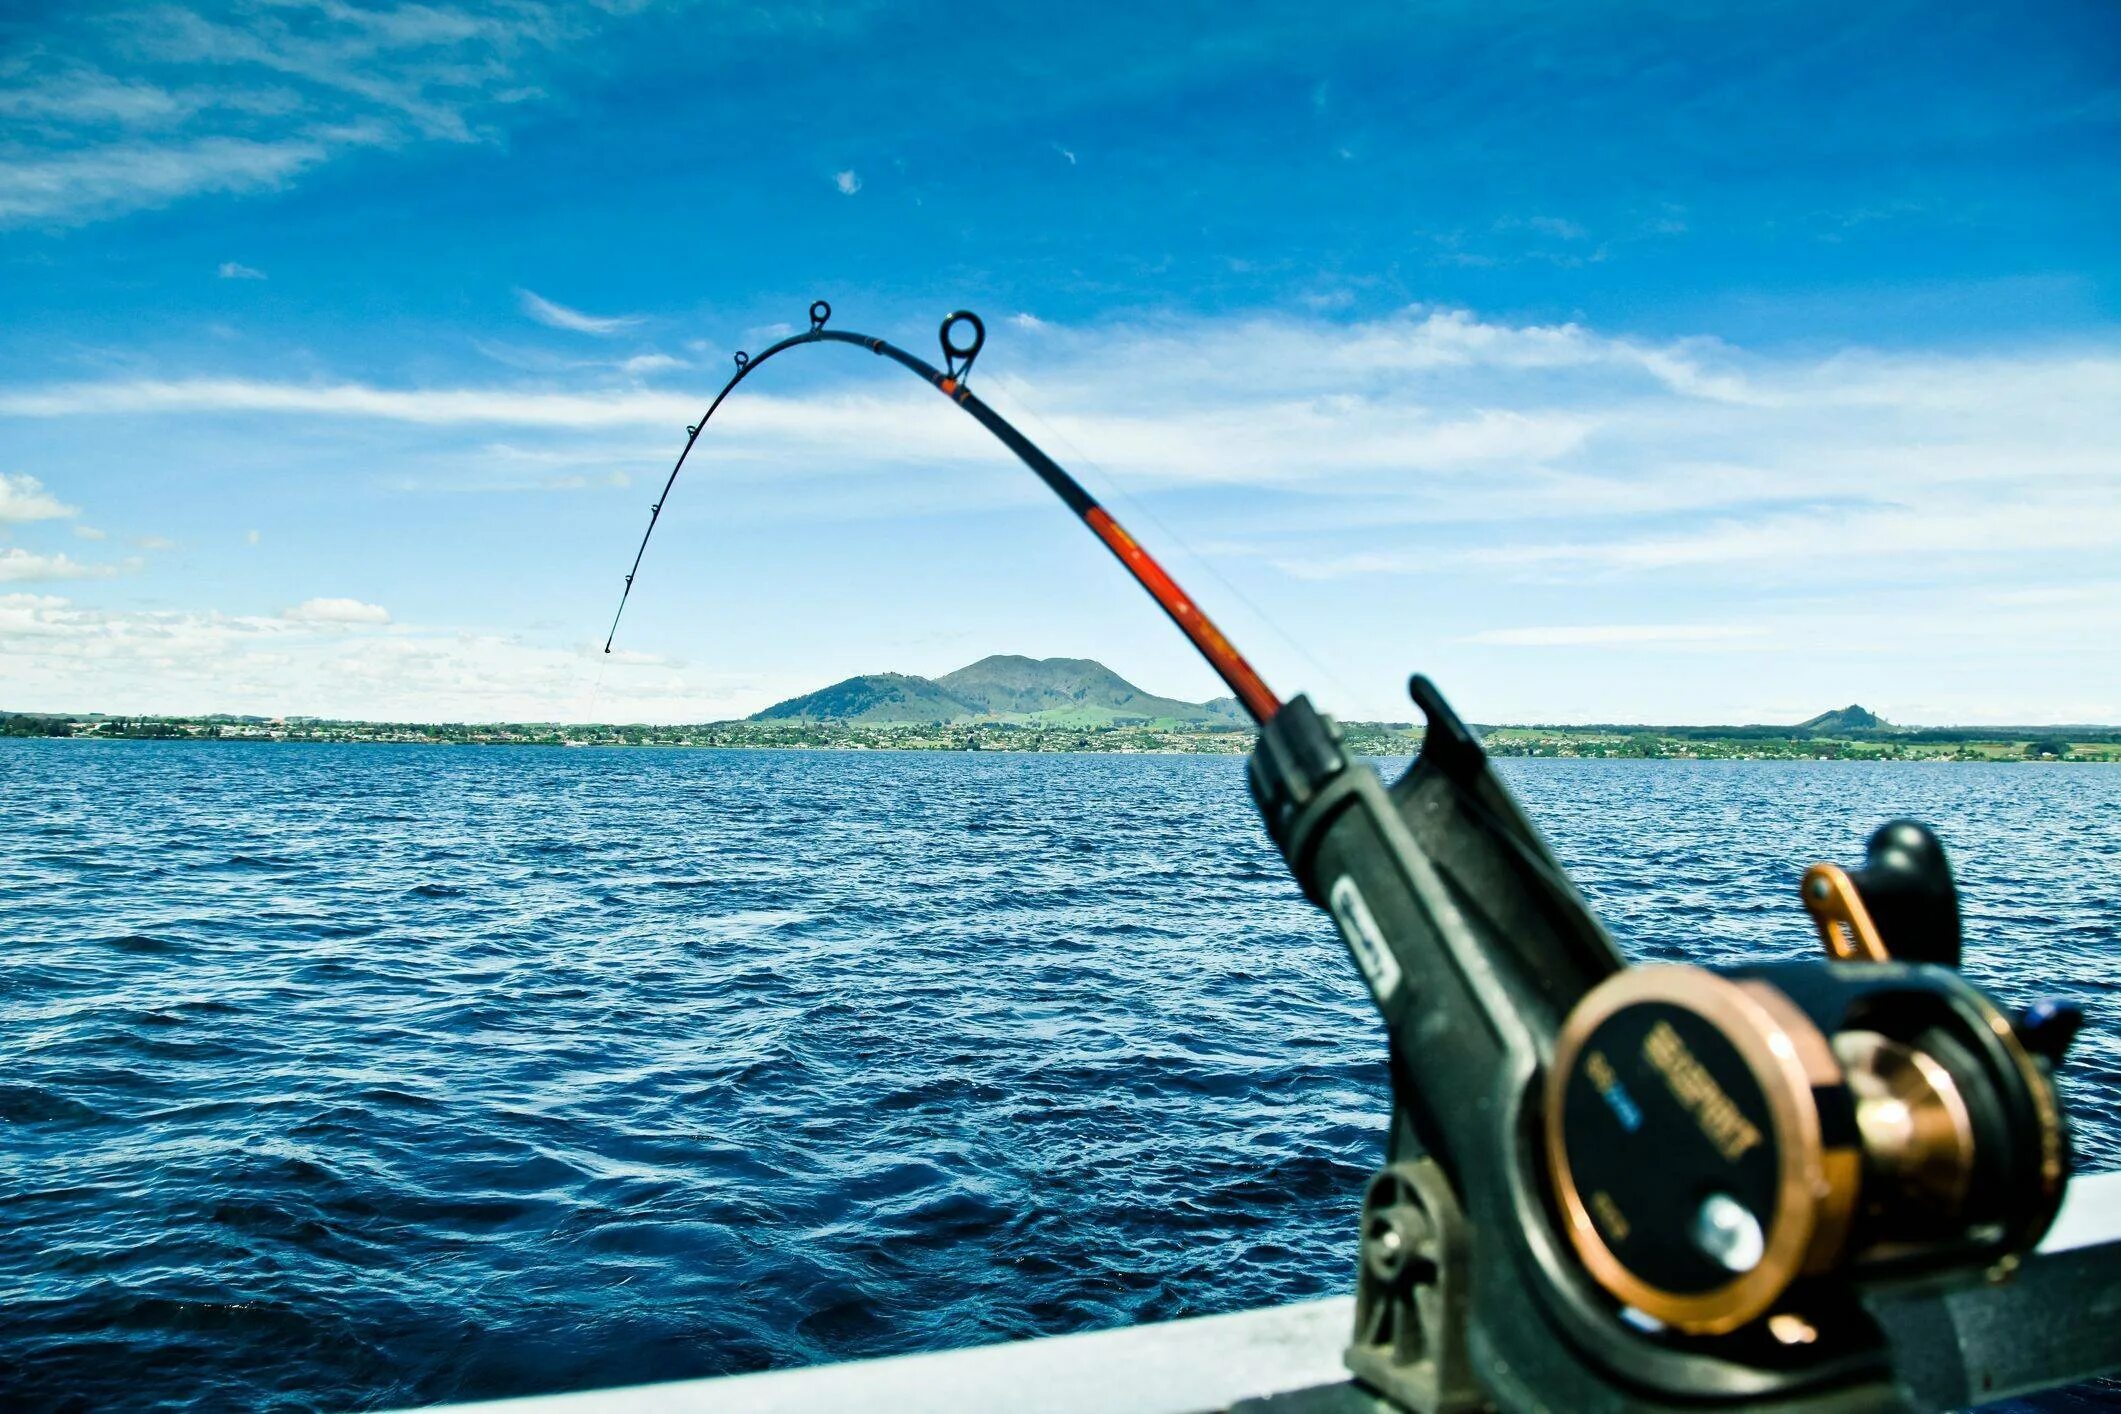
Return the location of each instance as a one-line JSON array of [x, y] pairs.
[[1257, 697]]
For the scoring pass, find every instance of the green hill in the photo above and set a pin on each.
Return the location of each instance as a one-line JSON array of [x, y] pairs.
[[1051, 692], [1067, 692], [1849, 719], [873, 697]]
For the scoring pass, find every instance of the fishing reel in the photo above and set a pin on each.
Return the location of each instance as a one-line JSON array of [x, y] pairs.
[[1662, 1186], [1716, 1141]]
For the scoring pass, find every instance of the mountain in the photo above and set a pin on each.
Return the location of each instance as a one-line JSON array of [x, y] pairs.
[[1070, 692], [1848, 719], [873, 697], [1054, 692]]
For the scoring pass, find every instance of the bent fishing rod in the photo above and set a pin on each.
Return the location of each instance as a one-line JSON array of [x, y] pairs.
[[1817, 1185], [949, 380]]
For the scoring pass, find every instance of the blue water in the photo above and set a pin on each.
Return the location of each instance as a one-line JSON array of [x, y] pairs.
[[352, 1077]]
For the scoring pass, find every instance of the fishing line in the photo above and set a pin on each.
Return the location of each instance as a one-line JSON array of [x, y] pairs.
[[596, 688], [958, 356]]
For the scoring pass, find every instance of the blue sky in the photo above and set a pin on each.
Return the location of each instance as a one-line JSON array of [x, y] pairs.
[[1607, 362]]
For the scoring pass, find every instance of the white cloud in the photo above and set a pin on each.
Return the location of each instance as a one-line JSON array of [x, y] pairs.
[[1429, 416], [18, 566], [58, 655], [559, 316], [231, 270], [1532, 474], [642, 364], [89, 532], [1607, 635], [23, 498], [337, 611], [155, 542], [1640, 455], [848, 182], [251, 537]]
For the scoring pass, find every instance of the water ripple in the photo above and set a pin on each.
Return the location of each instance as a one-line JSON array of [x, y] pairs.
[[354, 1077]]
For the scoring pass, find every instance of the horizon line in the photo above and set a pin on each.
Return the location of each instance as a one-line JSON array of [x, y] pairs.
[[319, 719]]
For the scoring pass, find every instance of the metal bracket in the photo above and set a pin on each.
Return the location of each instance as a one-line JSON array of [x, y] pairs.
[[1411, 1296]]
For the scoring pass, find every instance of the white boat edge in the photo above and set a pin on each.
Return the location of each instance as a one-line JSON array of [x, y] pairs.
[[1174, 1367]]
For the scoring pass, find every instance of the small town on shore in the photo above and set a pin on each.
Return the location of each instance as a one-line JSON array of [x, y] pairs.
[[1882, 743], [1011, 703]]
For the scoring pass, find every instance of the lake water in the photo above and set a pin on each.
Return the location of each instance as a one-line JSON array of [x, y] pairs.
[[352, 1077]]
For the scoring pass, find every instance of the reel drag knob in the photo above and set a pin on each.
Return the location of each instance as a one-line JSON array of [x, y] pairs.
[[1702, 1144]]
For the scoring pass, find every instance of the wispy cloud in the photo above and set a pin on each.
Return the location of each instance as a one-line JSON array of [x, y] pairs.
[[1522, 459], [23, 498], [559, 316], [231, 270], [1560, 228], [105, 180], [585, 481], [1608, 635], [1944, 524], [1523, 240], [125, 109], [848, 182], [1255, 443], [1647, 454], [523, 407]]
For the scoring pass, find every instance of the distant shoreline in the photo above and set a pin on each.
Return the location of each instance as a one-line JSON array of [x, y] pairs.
[[2024, 744]]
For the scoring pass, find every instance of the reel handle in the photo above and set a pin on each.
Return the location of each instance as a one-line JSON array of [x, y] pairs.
[[1901, 906]]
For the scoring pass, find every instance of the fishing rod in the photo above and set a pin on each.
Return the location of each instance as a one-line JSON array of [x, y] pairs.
[[1817, 1185], [1230, 665]]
